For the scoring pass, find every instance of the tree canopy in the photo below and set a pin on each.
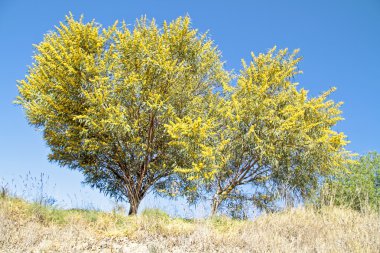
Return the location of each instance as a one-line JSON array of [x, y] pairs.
[[103, 96], [152, 108], [265, 133]]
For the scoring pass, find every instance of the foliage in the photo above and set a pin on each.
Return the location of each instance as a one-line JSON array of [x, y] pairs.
[[155, 213], [264, 133], [357, 187], [103, 96], [152, 108]]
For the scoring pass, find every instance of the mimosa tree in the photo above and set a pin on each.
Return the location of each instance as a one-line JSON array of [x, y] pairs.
[[102, 98], [266, 135]]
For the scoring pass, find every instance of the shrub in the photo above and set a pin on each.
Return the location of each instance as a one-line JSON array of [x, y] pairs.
[[358, 187]]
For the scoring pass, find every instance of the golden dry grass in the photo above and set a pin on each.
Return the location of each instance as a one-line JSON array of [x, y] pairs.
[[28, 227]]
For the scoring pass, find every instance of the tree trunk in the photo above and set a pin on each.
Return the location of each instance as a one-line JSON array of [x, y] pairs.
[[215, 204], [134, 205]]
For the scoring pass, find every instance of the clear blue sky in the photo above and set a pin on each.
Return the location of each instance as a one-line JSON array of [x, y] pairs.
[[339, 40]]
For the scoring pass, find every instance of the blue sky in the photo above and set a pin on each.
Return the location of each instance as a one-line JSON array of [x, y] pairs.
[[339, 42]]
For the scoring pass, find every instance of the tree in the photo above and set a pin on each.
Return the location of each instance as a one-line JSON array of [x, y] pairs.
[[357, 187], [103, 96], [262, 138]]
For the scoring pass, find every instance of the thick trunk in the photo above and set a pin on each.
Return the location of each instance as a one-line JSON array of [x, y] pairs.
[[134, 205]]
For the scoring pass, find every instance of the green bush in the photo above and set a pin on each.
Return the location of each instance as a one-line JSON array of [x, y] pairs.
[[358, 187], [155, 213]]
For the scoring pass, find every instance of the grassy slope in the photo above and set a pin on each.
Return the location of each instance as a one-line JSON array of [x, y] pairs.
[[28, 227]]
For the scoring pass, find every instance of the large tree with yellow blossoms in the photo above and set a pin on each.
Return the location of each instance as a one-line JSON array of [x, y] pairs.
[[102, 98]]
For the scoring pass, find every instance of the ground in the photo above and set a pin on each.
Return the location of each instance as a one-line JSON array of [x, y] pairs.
[[28, 227]]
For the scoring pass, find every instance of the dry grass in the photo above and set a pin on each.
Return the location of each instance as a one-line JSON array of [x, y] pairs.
[[28, 227]]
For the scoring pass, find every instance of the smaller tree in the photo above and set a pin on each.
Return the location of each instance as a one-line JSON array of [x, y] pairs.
[[357, 187], [261, 138]]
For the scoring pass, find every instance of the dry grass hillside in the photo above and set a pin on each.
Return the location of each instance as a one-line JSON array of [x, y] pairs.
[[26, 227]]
